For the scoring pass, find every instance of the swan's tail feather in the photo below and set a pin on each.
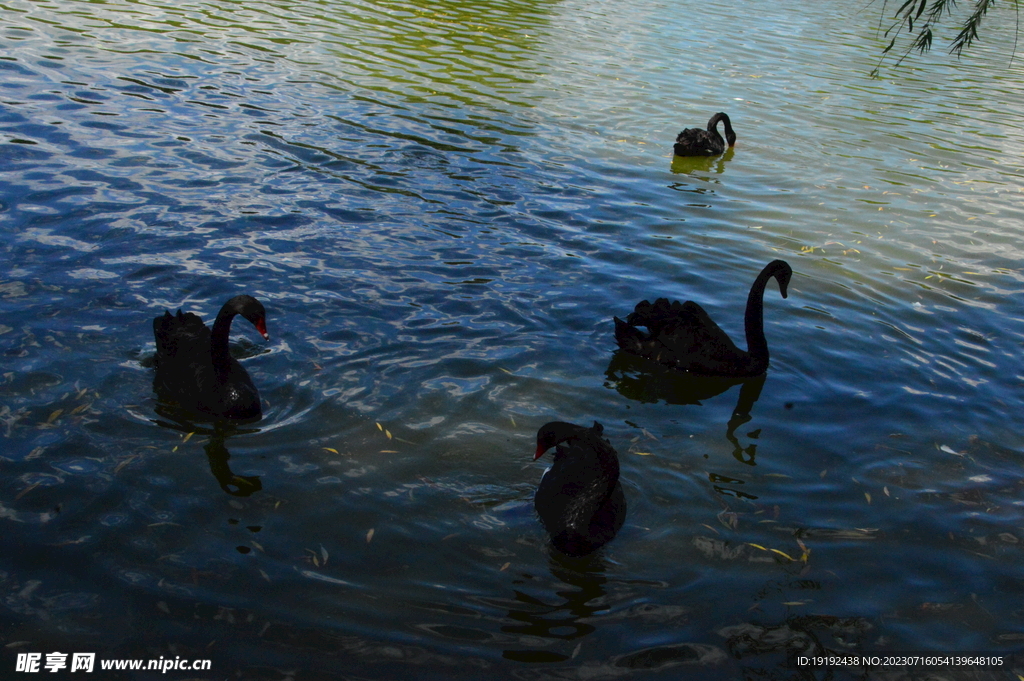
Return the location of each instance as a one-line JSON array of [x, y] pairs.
[[629, 337], [171, 331]]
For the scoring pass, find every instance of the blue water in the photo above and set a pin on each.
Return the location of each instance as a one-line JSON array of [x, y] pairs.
[[442, 206]]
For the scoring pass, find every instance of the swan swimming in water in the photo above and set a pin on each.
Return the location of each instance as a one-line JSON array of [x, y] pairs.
[[194, 368], [697, 142], [579, 500], [683, 336]]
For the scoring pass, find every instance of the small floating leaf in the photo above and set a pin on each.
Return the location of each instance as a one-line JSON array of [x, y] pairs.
[[642, 453], [258, 546], [188, 437], [506, 371], [782, 553], [369, 536], [55, 415], [388, 433], [124, 463], [867, 495], [513, 420], [504, 567], [323, 553], [26, 491], [758, 546], [379, 427], [886, 490], [331, 450], [389, 451]]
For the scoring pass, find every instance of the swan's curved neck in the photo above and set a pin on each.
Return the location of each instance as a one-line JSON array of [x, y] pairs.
[[730, 134], [713, 127], [753, 320], [219, 341]]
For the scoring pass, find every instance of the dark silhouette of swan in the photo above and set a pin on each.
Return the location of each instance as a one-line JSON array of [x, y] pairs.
[[683, 336], [697, 142], [579, 500], [194, 368]]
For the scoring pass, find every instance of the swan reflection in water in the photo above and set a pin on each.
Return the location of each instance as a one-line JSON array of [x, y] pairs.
[[217, 453], [642, 380], [568, 616], [684, 165]]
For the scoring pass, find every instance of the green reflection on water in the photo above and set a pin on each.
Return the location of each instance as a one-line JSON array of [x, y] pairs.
[[454, 54]]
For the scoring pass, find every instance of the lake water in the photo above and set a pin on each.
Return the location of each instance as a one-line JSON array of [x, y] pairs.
[[442, 206]]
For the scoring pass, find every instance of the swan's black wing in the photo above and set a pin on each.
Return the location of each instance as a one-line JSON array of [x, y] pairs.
[[699, 345], [179, 335], [609, 518], [697, 142], [682, 336], [658, 317]]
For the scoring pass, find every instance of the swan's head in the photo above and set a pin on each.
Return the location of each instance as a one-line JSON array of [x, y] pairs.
[[782, 272], [251, 309], [557, 432], [730, 136]]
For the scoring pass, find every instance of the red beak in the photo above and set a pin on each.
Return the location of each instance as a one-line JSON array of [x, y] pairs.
[[540, 453], [261, 326]]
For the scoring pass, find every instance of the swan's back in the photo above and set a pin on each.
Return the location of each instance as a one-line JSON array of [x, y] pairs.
[[697, 142], [680, 336]]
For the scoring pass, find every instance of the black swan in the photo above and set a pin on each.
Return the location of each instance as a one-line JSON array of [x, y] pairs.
[[683, 336], [579, 500], [697, 142], [195, 369]]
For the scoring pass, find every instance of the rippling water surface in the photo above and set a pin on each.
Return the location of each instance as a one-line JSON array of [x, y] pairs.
[[442, 205]]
